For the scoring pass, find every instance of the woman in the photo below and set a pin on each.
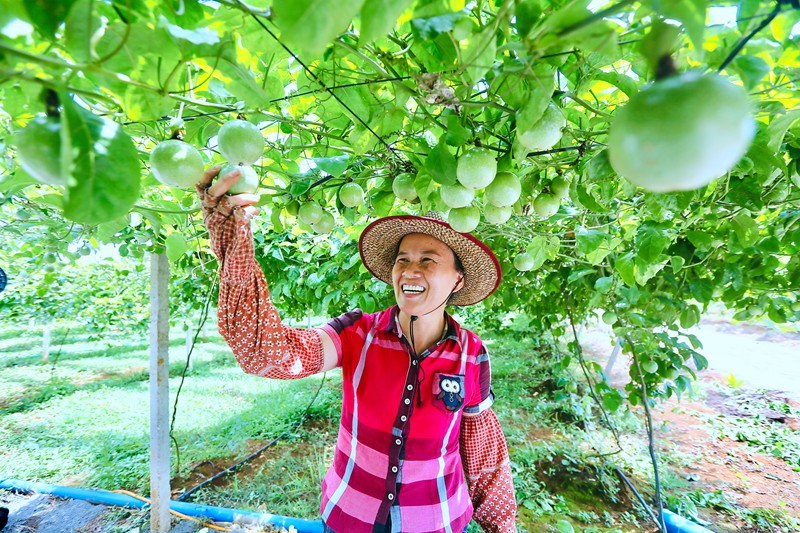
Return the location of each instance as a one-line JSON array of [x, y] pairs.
[[419, 448]]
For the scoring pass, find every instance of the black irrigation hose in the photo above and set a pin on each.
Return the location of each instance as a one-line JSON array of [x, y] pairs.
[[185, 496], [636, 493]]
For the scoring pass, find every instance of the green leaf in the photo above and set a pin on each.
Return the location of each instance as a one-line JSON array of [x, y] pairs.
[[651, 239], [595, 244], [599, 167], [526, 13], [751, 69], [430, 28], [176, 246], [746, 229], [81, 24], [625, 266], [692, 13], [310, 25], [441, 164], [604, 284], [378, 17], [106, 171], [778, 127], [565, 527], [335, 165], [47, 15], [702, 290], [538, 248], [456, 134], [612, 400], [479, 55], [700, 239]]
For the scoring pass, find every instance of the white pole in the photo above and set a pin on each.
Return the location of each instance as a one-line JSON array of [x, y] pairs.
[[46, 342], [159, 394], [613, 358]]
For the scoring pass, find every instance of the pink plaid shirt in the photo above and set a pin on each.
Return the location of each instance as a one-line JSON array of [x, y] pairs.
[[398, 447]]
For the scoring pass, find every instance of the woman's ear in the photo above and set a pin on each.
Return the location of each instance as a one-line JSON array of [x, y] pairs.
[[459, 284]]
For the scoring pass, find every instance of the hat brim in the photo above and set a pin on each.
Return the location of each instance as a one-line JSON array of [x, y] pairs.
[[380, 241]]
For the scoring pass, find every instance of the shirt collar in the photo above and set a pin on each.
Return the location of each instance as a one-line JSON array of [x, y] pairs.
[[389, 321]]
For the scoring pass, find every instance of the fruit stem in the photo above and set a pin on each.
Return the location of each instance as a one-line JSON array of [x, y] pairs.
[[665, 68], [51, 103]]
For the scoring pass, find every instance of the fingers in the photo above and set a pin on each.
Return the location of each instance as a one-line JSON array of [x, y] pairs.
[[248, 213], [243, 199], [224, 183], [208, 175]]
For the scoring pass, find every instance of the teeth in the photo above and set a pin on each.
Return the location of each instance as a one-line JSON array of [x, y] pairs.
[[413, 289]]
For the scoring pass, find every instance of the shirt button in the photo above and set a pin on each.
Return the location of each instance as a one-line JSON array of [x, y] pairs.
[[404, 418], [410, 387], [407, 401], [394, 469], [390, 496], [398, 442]]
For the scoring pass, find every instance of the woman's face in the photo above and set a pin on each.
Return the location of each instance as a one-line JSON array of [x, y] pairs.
[[424, 274]]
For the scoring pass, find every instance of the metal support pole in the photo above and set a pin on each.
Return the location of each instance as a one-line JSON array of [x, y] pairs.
[[159, 394]]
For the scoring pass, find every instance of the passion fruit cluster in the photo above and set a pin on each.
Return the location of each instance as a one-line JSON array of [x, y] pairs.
[[178, 164]]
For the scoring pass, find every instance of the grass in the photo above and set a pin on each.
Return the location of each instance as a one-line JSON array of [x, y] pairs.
[[83, 419]]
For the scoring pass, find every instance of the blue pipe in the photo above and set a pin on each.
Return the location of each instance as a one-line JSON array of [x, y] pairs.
[[217, 514], [674, 523], [678, 524]]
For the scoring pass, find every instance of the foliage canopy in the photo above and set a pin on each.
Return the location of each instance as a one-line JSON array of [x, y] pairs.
[[366, 91]]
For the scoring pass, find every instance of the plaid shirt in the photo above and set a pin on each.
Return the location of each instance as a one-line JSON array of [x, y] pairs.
[[362, 490], [398, 447]]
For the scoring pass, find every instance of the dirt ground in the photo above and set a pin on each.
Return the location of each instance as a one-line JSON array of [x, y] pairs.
[[747, 478]]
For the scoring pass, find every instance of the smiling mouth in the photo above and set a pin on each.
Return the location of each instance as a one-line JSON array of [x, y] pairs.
[[412, 289]]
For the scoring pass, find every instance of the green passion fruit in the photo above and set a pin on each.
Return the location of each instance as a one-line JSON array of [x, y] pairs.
[[504, 190], [310, 212], [324, 224], [464, 219], [248, 178], [403, 187], [240, 142], [351, 194], [176, 163], [545, 133], [650, 367], [497, 215], [523, 262], [609, 318], [682, 132], [476, 168], [38, 148], [546, 205], [456, 195]]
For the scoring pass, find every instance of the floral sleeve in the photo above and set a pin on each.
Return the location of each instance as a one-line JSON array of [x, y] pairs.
[[248, 320]]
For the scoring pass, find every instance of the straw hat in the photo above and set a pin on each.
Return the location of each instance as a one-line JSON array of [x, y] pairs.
[[380, 241]]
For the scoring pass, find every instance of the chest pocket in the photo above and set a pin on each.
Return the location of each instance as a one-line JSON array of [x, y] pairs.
[[449, 391]]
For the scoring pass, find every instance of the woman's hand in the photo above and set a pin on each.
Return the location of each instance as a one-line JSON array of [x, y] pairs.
[[214, 197]]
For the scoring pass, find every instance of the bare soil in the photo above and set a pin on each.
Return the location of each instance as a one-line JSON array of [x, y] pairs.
[[746, 478]]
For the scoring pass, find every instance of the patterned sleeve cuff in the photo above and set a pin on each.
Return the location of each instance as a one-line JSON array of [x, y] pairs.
[[484, 455], [472, 410]]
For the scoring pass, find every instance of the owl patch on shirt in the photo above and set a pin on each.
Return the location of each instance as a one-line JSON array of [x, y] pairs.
[[449, 389]]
